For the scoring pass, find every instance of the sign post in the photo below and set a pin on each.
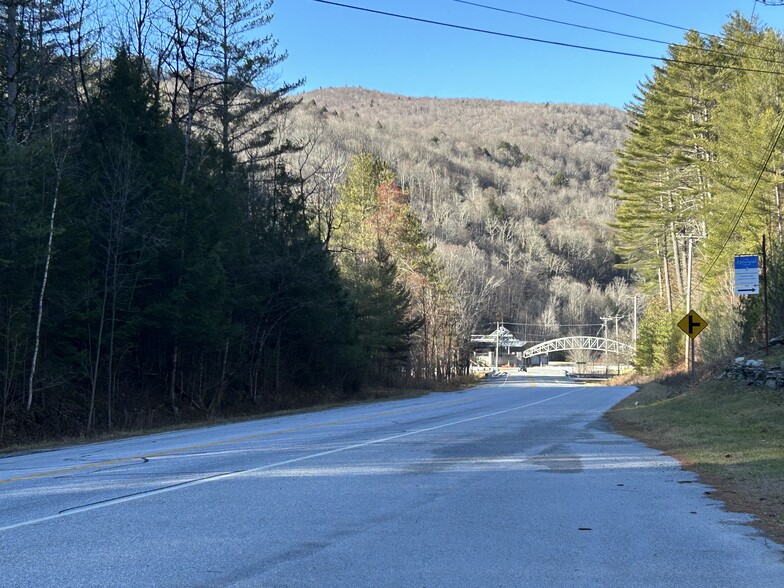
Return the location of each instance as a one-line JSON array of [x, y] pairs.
[[692, 324]]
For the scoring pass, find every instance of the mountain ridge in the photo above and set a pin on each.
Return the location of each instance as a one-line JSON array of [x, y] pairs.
[[513, 193]]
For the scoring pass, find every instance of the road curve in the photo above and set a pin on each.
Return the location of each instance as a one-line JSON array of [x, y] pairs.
[[518, 482]]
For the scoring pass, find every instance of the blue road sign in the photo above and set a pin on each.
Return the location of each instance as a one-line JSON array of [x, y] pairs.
[[746, 274]]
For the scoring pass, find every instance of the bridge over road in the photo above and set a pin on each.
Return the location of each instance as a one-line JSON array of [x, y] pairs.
[[579, 342]]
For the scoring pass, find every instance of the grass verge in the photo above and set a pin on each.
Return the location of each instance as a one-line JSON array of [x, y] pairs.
[[729, 433]]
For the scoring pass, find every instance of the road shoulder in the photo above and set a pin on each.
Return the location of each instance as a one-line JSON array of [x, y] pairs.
[[732, 436]]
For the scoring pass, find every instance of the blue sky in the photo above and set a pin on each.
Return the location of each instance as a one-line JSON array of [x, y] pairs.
[[333, 46]]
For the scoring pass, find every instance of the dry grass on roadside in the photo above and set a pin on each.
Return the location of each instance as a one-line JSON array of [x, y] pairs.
[[731, 434]]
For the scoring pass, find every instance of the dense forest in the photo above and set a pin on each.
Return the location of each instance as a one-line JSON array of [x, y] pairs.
[[183, 236], [700, 180], [154, 260]]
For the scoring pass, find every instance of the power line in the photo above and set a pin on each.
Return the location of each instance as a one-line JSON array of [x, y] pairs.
[[635, 17], [742, 209], [664, 24], [774, 141], [546, 41], [617, 33], [560, 22]]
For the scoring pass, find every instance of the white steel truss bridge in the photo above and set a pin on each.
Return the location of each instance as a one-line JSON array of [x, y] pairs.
[[579, 342]]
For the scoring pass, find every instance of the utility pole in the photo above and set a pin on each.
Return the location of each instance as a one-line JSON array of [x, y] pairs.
[[497, 334], [689, 341], [765, 292], [604, 320], [617, 359], [689, 351]]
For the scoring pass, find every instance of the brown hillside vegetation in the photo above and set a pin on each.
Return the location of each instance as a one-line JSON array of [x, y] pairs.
[[515, 195]]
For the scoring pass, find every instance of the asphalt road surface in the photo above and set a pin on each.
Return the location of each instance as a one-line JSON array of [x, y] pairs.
[[518, 482]]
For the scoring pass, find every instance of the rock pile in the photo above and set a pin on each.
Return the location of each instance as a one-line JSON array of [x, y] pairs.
[[755, 373]]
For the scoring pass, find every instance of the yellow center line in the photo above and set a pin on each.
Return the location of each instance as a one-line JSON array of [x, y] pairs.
[[177, 450]]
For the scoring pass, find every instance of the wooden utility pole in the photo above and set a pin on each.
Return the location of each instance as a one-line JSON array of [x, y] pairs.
[[689, 342], [604, 320], [497, 334], [689, 352], [765, 292]]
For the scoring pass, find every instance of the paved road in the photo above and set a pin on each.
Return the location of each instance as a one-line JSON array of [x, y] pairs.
[[515, 483]]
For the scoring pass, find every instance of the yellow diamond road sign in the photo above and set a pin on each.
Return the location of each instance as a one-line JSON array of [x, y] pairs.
[[692, 324]]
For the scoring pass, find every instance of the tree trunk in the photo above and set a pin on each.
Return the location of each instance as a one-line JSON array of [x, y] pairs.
[[110, 359], [40, 312], [218, 398], [173, 378], [677, 260], [277, 363], [99, 343], [667, 285]]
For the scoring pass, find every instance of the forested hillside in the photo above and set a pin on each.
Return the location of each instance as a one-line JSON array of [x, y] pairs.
[[702, 173], [181, 237], [514, 197]]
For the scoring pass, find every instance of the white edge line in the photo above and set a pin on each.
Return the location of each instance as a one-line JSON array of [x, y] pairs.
[[228, 475]]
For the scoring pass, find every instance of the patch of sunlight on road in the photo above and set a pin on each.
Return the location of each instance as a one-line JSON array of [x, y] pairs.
[[472, 465], [125, 485]]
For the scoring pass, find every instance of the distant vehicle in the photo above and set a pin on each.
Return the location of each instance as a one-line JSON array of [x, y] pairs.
[[522, 368]]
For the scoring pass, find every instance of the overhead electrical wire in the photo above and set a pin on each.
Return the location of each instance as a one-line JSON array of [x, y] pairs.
[[774, 141], [544, 41], [635, 17], [616, 33], [664, 24], [771, 149], [560, 22]]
